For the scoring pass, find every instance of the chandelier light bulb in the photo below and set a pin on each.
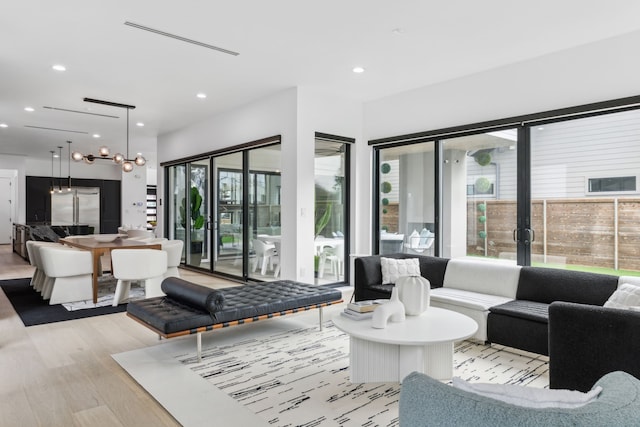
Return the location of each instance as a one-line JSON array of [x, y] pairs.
[[89, 159], [77, 156], [140, 161], [103, 151], [127, 166], [118, 158]]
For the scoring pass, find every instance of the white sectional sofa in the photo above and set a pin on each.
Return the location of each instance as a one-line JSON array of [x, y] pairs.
[[471, 287]]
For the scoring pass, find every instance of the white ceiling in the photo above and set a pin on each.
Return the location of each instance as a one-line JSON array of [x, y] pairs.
[[402, 44]]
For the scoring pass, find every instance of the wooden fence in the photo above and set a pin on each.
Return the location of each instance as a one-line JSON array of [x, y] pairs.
[[589, 232]]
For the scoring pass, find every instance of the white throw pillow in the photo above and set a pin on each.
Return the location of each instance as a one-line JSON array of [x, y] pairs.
[[627, 296], [393, 268], [530, 397]]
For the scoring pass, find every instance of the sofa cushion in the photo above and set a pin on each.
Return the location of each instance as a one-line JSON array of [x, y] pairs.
[[530, 397], [462, 298], [392, 268], [530, 310], [627, 297], [549, 284], [486, 277], [632, 280], [426, 401]]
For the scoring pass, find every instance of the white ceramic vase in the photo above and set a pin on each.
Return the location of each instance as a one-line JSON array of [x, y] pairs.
[[392, 310], [414, 293]]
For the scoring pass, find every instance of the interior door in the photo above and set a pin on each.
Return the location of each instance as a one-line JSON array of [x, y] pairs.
[[5, 211]]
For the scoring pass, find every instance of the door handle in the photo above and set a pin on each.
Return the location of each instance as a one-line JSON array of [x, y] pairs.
[[531, 234], [515, 234]]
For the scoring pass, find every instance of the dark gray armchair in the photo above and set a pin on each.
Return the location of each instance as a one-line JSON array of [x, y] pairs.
[[588, 341]]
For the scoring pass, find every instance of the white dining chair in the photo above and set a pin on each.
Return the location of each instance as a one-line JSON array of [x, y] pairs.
[[69, 272], [264, 253], [173, 248], [146, 266], [40, 281], [335, 256]]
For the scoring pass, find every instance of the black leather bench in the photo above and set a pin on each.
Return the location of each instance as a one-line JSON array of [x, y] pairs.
[[189, 309]]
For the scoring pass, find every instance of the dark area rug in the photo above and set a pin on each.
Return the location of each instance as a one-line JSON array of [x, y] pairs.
[[33, 310]]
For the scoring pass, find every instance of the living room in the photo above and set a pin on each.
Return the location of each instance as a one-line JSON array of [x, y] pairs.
[[590, 62]]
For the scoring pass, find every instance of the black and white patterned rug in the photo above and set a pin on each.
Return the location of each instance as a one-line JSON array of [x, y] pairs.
[[301, 377]]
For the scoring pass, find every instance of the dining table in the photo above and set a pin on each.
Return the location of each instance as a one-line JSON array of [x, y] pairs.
[[98, 249]]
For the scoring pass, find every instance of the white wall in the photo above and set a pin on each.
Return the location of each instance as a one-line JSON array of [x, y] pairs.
[[133, 208], [15, 165], [321, 112], [595, 72]]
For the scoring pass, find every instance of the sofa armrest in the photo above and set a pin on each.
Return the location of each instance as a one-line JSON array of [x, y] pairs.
[[588, 341]]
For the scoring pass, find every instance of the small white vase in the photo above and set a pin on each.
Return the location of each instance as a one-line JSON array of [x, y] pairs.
[[414, 293], [392, 310]]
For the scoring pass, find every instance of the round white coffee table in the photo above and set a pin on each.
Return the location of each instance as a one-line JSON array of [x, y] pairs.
[[421, 343]]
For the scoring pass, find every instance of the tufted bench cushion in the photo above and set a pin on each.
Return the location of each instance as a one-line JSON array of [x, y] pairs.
[[182, 312]]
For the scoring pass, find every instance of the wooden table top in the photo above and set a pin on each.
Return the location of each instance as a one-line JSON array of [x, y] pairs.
[[120, 243]]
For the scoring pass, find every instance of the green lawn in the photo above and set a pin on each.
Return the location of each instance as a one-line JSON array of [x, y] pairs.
[[601, 270]]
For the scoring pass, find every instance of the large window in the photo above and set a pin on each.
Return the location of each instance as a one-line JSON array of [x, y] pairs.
[[584, 203], [225, 206], [331, 210], [406, 199], [558, 189]]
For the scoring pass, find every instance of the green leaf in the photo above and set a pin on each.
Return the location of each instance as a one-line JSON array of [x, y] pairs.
[[324, 220]]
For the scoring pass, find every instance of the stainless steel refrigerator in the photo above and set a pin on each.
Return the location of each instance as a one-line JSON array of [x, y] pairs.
[[80, 206]]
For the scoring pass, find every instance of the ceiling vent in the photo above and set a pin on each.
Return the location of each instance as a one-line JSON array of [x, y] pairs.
[[58, 130], [177, 37], [80, 112]]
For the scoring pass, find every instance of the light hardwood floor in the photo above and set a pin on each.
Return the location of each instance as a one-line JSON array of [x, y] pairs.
[[62, 374]]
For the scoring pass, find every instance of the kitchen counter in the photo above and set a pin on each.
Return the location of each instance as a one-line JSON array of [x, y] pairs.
[[42, 231]]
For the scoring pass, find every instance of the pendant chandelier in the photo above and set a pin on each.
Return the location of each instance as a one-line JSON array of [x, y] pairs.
[[52, 188], [104, 153]]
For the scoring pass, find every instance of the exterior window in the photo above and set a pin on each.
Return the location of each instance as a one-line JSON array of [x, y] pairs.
[[612, 185]]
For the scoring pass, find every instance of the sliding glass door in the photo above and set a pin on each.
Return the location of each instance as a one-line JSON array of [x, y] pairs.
[[331, 210], [479, 195], [558, 189], [264, 213], [406, 207], [228, 230], [585, 190]]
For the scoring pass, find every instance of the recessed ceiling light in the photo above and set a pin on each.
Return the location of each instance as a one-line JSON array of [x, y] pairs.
[[59, 67], [540, 128], [358, 70], [201, 95], [96, 135], [56, 156], [4, 125], [140, 124], [29, 109]]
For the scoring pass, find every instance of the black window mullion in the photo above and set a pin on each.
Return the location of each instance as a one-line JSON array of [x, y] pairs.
[[376, 201], [523, 232]]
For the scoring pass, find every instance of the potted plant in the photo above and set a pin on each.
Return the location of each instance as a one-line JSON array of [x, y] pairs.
[[196, 223]]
